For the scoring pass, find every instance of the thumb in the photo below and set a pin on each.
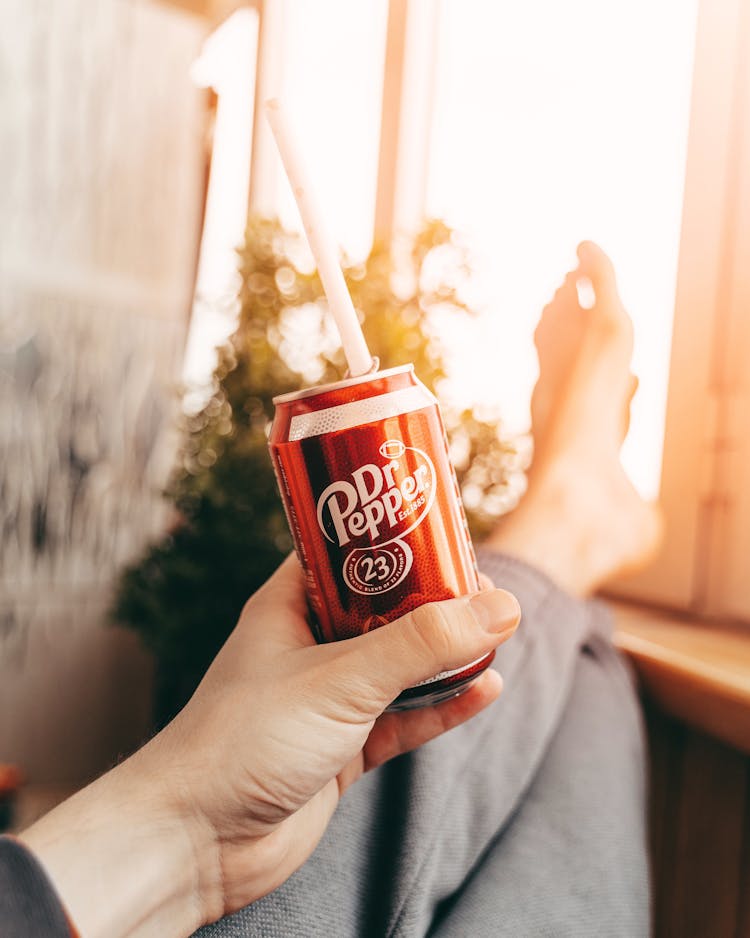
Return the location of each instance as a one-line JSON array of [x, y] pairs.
[[435, 637]]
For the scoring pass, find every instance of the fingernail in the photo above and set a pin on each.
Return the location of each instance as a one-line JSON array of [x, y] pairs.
[[496, 611]]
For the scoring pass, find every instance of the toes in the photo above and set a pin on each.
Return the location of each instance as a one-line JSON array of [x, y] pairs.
[[564, 298], [634, 382], [596, 266], [560, 329], [632, 388], [609, 312], [595, 263]]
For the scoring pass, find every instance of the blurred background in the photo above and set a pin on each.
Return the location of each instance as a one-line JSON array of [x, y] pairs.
[[145, 222]]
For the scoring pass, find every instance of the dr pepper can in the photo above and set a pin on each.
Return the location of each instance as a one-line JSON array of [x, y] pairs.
[[374, 509]]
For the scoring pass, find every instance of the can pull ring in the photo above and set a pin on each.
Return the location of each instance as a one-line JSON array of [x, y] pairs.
[[373, 368]]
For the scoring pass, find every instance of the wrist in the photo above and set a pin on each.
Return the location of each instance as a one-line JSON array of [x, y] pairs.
[[122, 857]]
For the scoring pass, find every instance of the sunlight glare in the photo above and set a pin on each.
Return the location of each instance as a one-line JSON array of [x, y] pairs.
[[555, 123], [227, 65]]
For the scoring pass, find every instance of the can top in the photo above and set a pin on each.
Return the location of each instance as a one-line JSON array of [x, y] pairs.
[[345, 383]]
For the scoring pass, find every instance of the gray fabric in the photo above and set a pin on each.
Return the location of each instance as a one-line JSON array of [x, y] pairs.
[[527, 821], [28, 902]]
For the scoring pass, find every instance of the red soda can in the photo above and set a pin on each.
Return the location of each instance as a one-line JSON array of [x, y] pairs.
[[374, 509]]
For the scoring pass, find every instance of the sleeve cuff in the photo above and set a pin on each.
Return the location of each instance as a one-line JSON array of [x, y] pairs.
[[29, 904]]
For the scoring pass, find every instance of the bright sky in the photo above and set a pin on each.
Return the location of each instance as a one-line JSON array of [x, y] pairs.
[[557, 122]]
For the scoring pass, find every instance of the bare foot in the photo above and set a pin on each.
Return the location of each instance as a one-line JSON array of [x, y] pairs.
[[581, 520]]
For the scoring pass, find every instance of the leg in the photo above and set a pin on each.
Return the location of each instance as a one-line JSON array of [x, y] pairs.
[[572, 862]]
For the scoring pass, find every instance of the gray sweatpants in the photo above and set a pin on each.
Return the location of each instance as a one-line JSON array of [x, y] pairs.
[[527, 821]]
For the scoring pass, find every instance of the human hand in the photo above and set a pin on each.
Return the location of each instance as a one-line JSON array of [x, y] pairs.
[[248, 775]]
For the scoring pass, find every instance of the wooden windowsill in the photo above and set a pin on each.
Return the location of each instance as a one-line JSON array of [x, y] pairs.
[[696, 671]]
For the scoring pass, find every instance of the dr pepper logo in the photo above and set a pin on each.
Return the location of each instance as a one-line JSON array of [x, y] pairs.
[[375, 506]]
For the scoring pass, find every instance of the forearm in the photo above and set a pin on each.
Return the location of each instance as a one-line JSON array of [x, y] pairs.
[[122, 860]]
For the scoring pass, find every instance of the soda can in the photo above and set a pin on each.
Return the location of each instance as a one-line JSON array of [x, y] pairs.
[[373, 505]]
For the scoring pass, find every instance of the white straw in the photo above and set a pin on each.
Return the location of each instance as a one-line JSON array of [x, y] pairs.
[[322, 244]]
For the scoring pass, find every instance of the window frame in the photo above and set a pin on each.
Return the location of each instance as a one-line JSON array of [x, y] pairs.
[[727, 581], [687, 574]]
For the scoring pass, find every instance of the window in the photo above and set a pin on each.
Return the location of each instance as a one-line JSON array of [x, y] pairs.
[[326, 61], [333, 91], [703, 566], [630, 124], [531, 126], [227, 66], [553, 123]]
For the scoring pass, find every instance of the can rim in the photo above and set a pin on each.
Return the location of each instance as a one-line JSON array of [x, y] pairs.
[[345, 383]]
